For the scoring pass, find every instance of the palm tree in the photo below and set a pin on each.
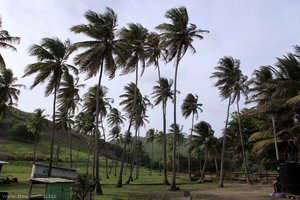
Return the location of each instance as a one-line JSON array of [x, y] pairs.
[[6, 41], [177, 38], [114, 120], [151, 135], [103, 105], [204, 140], [135, 105], [181, 139], [9, 90], [68, 101], [154, 51], [139, 120], [63, 123], [84, 125], [99, 56], [225, 73], [263, 86], [161, 93], [115, 134], [239, 87], [189, 107], [52, 56], [160, 139], [35, 124], [134, 41]]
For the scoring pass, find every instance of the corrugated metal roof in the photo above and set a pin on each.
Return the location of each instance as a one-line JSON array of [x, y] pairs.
[[52, 180]]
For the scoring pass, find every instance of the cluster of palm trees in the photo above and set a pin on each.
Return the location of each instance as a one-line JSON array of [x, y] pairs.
[[273, 90], [9, 90], [274, 93], [130, 50]]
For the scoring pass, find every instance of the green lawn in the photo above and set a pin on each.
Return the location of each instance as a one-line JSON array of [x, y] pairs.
[[146, 184]]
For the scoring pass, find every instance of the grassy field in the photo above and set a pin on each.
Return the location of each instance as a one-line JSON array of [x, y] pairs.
[[137, 189]]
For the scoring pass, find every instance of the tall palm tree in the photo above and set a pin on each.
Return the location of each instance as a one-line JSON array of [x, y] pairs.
[[115, 134], [263, 86], [161, 93], [6, 41], [189, 107], [151, 135], [114, 120], [239, 88], [160, 139], [204, 140], [85, 126], [177, 38], [63, 123], [139, 120], [134, 41], [52, 56], [35, 124], [181, 139], [225, 73], [68, 100], [99, 56], [103, 105], [9, 90]]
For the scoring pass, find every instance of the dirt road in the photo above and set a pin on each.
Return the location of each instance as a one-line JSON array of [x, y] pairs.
[[241, 193]]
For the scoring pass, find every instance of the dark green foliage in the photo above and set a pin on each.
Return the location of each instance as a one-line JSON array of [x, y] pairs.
[[20, 132]]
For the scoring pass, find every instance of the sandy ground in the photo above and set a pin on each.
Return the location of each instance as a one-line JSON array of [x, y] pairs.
[[242, 193], [245, 192]]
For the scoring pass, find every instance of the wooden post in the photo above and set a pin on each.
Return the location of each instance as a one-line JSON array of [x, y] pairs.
[[30, 189], [267, 177]]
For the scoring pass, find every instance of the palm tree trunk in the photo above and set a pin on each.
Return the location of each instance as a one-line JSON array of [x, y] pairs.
[[221, 183], [134, 158], [105, 146], [137, 165], [165, 163], [178, 161], [204, 165], [164, 105], [77, 155], [88, 162], [200, 166], [116, 160], [96, 145], [160, 162], [242, 144], [127, 158], [70, 148], [34, 147], [58, 149], [216, 165], [189, 152], [173, 184], [120, 184], [275, 137], [151, 158], [52, 133]]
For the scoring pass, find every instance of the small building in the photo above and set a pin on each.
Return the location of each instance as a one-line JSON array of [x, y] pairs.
[[56, 188], [1, 165]]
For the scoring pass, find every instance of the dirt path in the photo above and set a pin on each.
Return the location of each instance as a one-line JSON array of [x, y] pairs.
[[241, 193]]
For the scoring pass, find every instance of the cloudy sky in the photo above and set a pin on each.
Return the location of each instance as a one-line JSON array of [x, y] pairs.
[[255, 32]]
